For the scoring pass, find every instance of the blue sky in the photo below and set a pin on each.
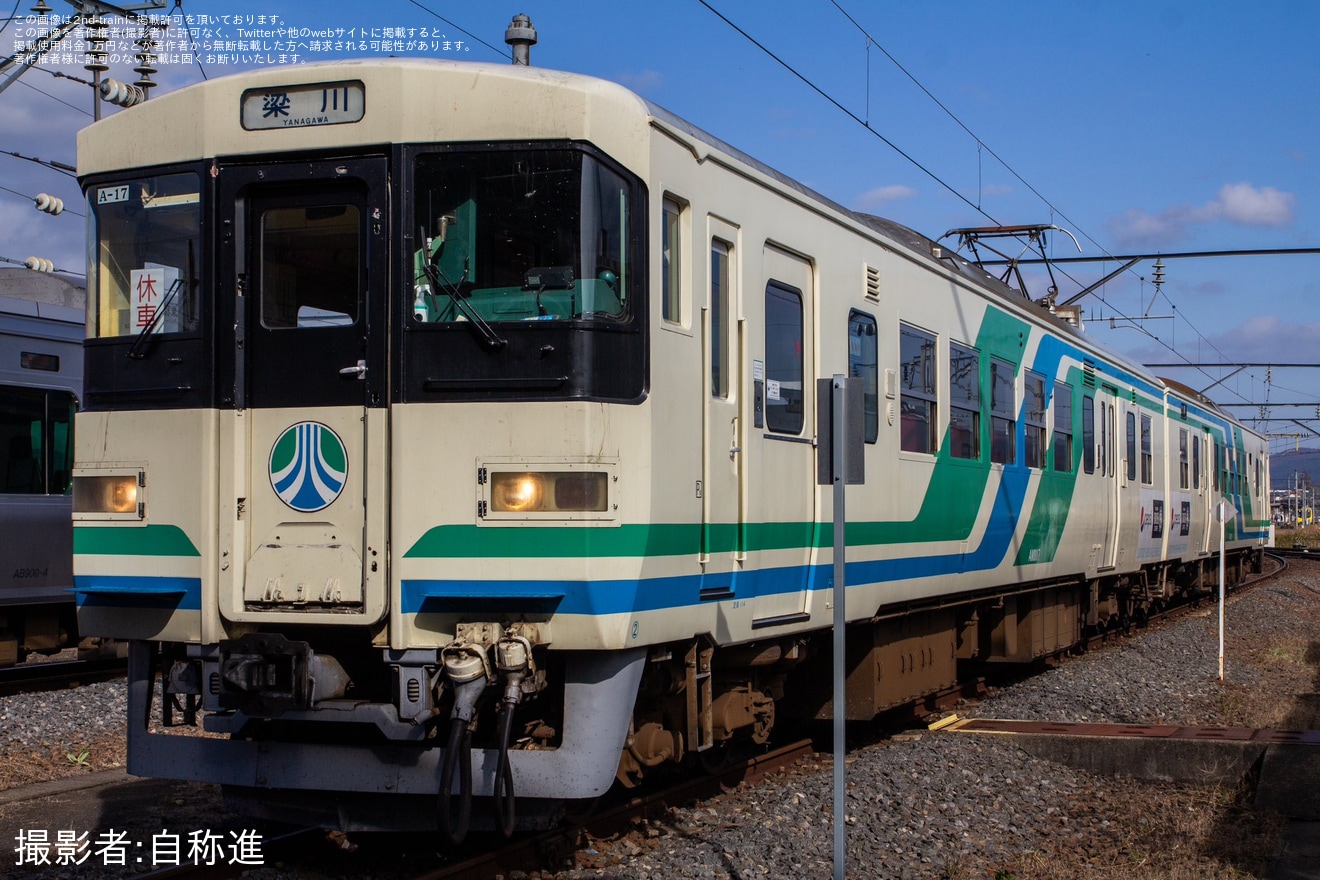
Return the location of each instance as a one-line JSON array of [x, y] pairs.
[[1138, 126]]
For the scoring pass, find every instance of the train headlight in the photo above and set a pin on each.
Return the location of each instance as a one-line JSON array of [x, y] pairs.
[[517, 493], [116, 494], [548, 491]]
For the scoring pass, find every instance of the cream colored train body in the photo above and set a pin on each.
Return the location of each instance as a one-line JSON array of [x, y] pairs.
[[448, 414]]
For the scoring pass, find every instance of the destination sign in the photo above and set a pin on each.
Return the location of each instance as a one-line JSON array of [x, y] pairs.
[[303, 106]]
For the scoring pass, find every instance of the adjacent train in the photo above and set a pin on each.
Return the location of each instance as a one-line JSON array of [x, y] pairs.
[[41, 330], [449, 447]]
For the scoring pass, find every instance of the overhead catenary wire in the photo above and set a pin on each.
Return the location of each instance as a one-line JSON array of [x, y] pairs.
[[932, 175], [851, 115], [466, 33], [61, 167], [10, 19]]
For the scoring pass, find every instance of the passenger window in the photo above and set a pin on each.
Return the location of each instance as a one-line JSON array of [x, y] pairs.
[[964, 402], [671, 261], [1033, 388], [36, 457], [1184, 477], [311, 259], [784, 403], [1003, 412], [1196, 461], [1147, 459], [1131, 446], [863, 357], [917, 368], [720, 282], [1063, 428], [1088, 434]]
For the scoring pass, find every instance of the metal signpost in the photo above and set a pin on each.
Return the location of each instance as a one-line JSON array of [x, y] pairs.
[[840, 428]]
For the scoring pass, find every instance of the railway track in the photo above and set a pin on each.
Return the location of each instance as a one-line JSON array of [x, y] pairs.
[[334, 854], [56, 674]]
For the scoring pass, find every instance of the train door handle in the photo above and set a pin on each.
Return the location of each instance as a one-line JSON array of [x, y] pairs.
[[360, 370]]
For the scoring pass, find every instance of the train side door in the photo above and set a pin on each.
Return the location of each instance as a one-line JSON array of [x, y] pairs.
[[723, 519], [304, 259], [782, 478], [1209, 525], [1110, 465]]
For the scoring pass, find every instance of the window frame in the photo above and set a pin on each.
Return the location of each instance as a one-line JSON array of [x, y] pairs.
[[1147, 451], [916, 404], [864, 364], [1033, 417], [774, 369], [1003, 412], [673, 211], [1184, 461], [1088, 433], [57, 406], [721, 291], [964, 408], [1061, 443]]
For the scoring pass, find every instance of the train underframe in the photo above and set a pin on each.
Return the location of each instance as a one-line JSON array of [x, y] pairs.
[[42, 628], [697, 701], [494, 731]]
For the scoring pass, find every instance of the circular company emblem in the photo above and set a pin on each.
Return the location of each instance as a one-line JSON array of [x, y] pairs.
[[308, 466]]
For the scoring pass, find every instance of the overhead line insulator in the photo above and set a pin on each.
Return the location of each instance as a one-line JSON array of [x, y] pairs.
[[124, 95], [49, 204], [39, 264]]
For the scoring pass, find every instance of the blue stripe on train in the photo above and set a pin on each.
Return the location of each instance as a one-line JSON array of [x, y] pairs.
[[624, 596], [138, 591]]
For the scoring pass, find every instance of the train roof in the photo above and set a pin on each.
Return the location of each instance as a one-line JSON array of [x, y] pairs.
[[481, 103], [42, 295]]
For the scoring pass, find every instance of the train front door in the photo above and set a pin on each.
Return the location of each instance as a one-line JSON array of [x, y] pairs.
[[304, 260]]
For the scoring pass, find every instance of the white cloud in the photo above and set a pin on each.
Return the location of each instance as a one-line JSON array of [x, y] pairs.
[[1238, 203], [643, 81], [884, 195], [1241, 203]]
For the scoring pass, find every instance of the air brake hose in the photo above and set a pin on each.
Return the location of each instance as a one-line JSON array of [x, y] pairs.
[[504, 802], [458, 756], [503, 791]]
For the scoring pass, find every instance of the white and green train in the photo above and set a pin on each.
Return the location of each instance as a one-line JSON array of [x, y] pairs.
[[449, 438]]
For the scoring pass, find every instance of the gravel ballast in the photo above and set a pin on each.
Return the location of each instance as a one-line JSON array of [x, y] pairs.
[[925, 804]]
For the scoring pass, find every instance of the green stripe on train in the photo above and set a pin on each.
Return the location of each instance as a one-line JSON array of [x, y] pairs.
[[132, 541]]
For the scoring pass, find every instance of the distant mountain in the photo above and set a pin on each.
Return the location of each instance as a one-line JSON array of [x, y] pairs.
[[1284, 464]]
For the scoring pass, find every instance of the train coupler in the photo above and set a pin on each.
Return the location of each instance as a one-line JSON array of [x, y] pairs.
[[267, 674]]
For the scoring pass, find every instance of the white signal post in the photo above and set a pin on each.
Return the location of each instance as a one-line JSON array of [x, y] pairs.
[[1222, 530]]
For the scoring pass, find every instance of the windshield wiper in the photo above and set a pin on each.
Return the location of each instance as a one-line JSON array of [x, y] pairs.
[[485, 333], [135, 350]]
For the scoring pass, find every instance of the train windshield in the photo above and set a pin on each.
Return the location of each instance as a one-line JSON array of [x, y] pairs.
[[144, 256], [520, 235]]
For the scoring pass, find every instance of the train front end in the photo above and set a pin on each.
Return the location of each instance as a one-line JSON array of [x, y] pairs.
[[365, 385]]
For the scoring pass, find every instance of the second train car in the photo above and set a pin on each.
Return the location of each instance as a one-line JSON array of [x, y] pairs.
[[450, 446], [41, 329]]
